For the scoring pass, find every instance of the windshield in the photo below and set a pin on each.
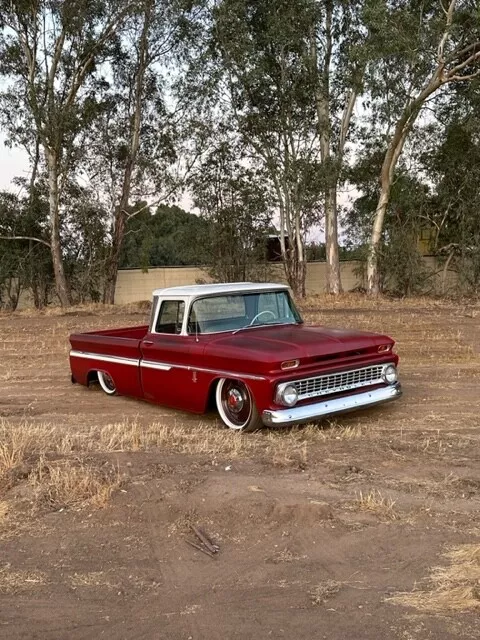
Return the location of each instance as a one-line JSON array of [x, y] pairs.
[[238, 311]]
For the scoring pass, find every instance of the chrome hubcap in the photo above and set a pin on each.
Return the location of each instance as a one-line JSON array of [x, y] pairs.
[[235, 400]]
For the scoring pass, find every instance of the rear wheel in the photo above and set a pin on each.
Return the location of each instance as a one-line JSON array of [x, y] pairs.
[[236, 406], [105, 380]]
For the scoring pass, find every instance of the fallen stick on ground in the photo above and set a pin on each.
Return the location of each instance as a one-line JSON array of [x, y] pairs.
[[202, 549], [202, 536]]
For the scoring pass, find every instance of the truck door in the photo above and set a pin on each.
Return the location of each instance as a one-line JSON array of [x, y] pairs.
[[165, 357]]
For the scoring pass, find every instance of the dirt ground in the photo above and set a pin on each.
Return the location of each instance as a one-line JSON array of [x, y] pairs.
[[360, 528]]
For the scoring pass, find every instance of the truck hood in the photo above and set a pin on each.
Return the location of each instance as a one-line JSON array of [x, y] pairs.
[[272, 344]]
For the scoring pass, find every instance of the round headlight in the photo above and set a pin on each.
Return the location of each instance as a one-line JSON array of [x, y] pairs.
[[390, 374], [289, 395]]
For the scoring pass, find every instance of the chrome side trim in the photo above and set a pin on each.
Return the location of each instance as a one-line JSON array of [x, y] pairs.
[[161, 366], [227, 374], [166, 366], [149, 364], [104, 358], [318, 410]]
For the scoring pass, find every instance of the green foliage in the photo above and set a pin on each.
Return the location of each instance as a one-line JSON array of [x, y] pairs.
[[24, 263], [51, 71], [169, 237], [116, 102], [402, 271], [403, 50], [234, 199], [453, 162], [250, 85]]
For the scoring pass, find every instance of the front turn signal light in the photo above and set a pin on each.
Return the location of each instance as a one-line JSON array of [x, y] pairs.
[[289, 364]]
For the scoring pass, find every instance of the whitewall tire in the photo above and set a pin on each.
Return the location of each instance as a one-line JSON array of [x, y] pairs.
[[105, 380], [236, 406]]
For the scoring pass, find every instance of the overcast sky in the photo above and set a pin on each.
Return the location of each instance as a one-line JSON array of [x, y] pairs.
[[13, 162]]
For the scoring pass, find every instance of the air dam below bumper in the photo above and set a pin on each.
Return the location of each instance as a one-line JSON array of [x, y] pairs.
[[318, 410]]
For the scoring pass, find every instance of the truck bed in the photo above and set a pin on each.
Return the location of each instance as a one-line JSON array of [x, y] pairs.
[[123, 342]]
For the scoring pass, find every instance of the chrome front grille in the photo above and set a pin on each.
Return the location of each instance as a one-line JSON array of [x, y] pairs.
[[337, 382]]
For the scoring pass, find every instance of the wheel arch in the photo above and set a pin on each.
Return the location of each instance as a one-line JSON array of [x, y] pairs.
[[210, 404], [92, 376]]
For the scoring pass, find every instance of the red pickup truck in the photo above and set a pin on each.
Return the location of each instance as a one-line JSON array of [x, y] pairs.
[[244, 348]]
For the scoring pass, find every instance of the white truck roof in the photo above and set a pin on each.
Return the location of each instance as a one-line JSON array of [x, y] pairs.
[[217, 289]]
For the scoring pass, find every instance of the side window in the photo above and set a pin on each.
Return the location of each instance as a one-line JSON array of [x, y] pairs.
[[170, 316]]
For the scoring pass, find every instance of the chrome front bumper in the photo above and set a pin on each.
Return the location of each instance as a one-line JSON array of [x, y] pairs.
[[318, 410]]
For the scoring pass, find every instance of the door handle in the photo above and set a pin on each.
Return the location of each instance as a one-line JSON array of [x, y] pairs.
[[147, 343]]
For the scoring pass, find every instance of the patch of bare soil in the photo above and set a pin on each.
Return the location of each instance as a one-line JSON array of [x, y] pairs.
[[365, 527]]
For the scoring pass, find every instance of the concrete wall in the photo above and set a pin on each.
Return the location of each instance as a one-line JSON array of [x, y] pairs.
[[134, 285], [439, 281]]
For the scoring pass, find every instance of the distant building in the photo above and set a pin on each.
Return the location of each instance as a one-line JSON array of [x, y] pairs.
[[274, 251], [426, 240]]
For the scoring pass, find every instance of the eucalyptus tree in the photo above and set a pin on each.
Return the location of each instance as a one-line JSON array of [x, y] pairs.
[[339, 58], [250, 71], [26, 263], [453, 166], [50, 53], [422, 47], [130, 146], [233, 196], [401, 266]]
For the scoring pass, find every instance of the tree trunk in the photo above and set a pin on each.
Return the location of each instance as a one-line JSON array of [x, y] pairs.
[[394, 150], [329, 161], [61, 284], [14, 288], [373, 272], [111, 267], [445, 271], [295, 272], [334, 282]]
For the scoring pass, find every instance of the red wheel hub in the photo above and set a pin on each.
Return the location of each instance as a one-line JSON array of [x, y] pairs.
[[235, 400]]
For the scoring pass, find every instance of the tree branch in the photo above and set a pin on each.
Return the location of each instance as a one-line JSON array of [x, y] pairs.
[[452, 75], [90, 56], [47, 244], [441, 47]]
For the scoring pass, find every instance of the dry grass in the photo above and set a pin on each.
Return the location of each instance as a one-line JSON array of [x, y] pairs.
[[324, 591], [26, 441], [454, 587], [19, 442], [183, 524], [58, 483], [284, 555], [90, 309], [4, 509], [93, 579], [354, 300], [15, 581], [375, 502], [426, 336], [415, 323], [68, 483]]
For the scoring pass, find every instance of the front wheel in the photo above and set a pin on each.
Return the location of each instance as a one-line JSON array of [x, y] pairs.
[[236, 406], [105, 380]]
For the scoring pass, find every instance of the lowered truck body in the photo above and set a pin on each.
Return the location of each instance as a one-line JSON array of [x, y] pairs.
[[244, 348]]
